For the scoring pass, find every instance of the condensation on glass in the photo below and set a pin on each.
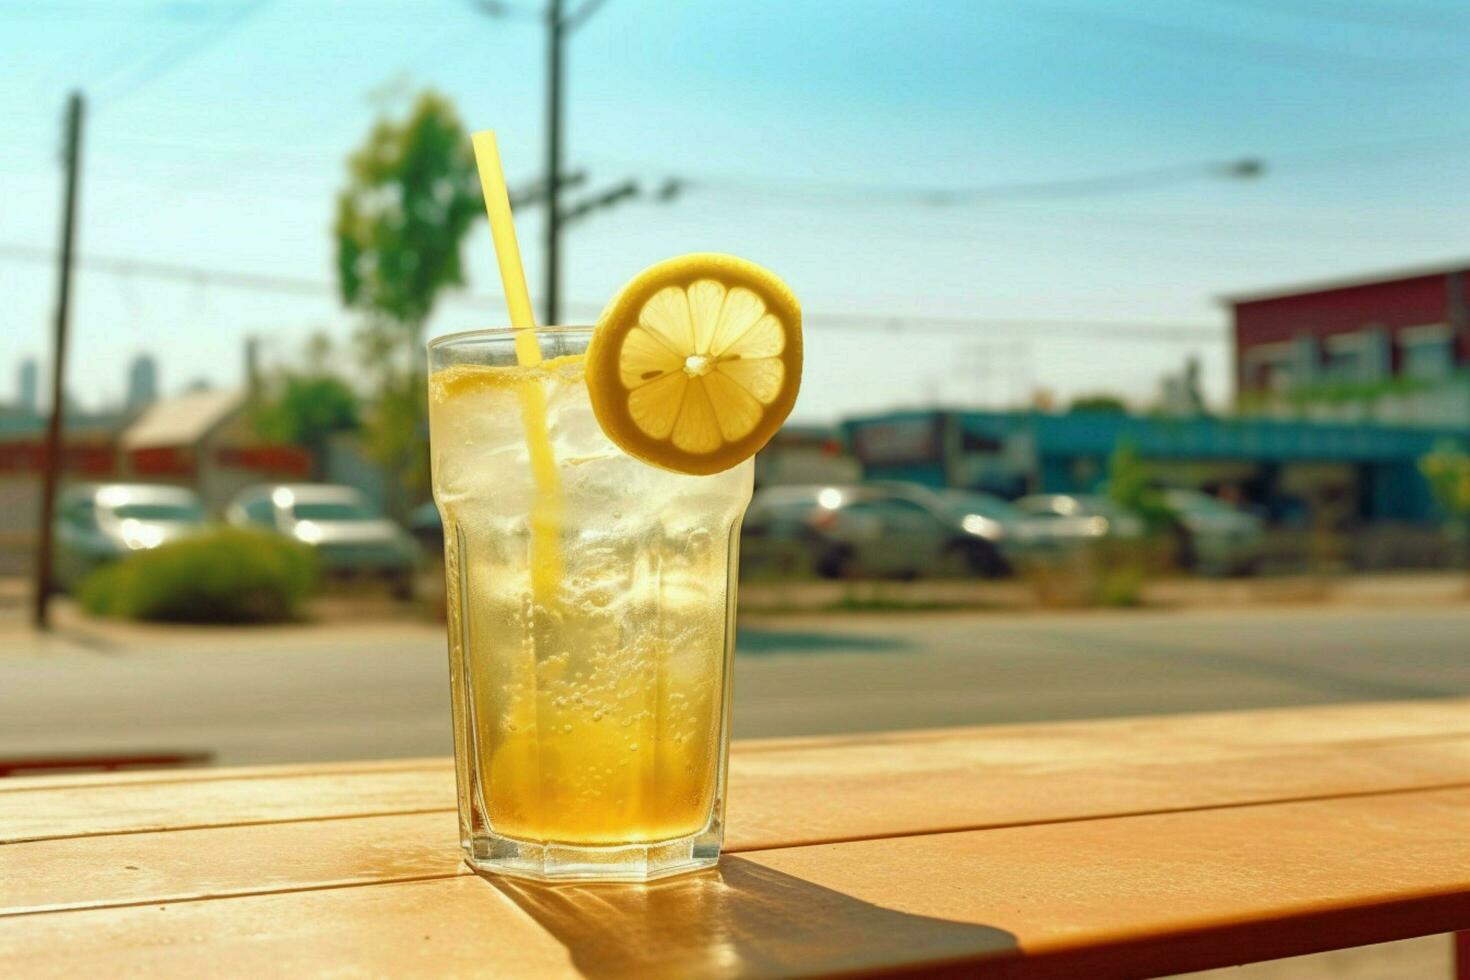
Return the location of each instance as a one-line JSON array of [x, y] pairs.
[[590, 620]]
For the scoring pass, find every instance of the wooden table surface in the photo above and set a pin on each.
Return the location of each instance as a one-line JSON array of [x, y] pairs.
[[1091, 849]]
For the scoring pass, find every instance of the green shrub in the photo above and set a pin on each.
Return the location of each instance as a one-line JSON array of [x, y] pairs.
[[1102, 573], [222, 576], [1121, 586]]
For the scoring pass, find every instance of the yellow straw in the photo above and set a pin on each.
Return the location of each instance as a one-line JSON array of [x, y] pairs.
[[546, 508], [507, 250]]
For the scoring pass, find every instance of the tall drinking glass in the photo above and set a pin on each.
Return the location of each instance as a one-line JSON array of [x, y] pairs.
[[591, 607]]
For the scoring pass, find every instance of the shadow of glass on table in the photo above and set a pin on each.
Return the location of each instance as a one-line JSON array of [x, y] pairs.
[[740, 919]]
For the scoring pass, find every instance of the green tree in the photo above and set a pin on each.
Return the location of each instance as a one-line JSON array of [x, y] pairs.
[[1101, 403], [1447, 469], [305, 405], [307, 409], [1129, 487], [411, 196]]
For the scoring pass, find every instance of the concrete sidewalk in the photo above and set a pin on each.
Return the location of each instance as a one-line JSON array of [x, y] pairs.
[[376, 612], [1365, 590]]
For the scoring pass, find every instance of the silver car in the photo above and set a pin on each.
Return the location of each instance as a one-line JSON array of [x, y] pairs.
[[1067, 519], [350, 536], [99, 523], [860, 531], [1014, 536], [1214, 538]]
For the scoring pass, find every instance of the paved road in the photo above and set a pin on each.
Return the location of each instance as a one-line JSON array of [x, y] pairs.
[[296, 694]]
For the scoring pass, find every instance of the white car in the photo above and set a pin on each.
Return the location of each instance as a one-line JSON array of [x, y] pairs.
[[1214, 537], [349, 535], [99, 523]]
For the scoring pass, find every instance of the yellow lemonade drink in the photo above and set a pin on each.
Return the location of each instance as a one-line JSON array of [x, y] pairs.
[[590, 621]]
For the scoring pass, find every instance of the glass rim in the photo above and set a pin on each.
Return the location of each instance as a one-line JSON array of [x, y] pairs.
[[490, 333]]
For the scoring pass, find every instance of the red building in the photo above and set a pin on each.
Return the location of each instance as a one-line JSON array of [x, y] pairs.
[[202, 440], [1364, 331]]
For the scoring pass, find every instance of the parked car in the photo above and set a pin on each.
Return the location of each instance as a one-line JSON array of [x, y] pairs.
[[349, 535], [987, 533], [1015, 536], [99, 523], [1071, 519], [864, 530], [838, 531], [1214, 537], [427, 528], [785, 532]]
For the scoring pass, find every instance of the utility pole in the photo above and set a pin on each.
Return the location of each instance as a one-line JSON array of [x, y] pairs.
[[555, 27], [559, 26], [52, 461]]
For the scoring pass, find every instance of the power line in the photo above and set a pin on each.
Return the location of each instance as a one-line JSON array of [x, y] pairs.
[[819, 192], [1239, 47], [170, 58], [511, 11], [167, 271], [560, 24], [824, 193], [1185, 332], [1123, 181], [577, 17], [1398, 14]]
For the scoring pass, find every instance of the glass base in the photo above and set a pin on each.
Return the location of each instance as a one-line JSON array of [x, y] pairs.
[[569, 862]]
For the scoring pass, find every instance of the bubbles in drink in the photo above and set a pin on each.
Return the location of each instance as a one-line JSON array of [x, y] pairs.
[[595, 713]]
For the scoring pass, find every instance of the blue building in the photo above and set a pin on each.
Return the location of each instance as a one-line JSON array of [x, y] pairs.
[[1281, 467]]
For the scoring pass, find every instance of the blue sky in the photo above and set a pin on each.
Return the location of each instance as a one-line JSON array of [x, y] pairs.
[[218, 130]]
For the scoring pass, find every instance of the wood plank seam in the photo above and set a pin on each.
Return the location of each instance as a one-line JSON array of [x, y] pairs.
[[43, 784], [40, 838], [162, 900], [1184, 945], [742, 746], [1190, 949], [462, 871], [836, 839], [1120, 815]]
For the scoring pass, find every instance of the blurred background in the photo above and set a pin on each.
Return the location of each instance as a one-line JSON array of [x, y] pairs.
[[1137, 376], [1138, 348], [1138, 373]]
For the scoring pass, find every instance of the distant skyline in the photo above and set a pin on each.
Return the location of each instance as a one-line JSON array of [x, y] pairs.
[[139, 384], [217, 134]]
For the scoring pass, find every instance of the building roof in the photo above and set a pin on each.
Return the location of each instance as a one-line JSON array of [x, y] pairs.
[[1347, 282], [182, 421]]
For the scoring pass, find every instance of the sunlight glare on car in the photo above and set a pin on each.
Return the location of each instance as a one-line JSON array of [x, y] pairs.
[[112, 496], [139, 536], [981, 526]]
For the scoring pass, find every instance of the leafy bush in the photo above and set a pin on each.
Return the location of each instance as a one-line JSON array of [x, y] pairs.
[[222, 576], [1101, 573], [1130, 487], [1447, 469]]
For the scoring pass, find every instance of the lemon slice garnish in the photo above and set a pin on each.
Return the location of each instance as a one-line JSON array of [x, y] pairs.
[[696, 362]]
